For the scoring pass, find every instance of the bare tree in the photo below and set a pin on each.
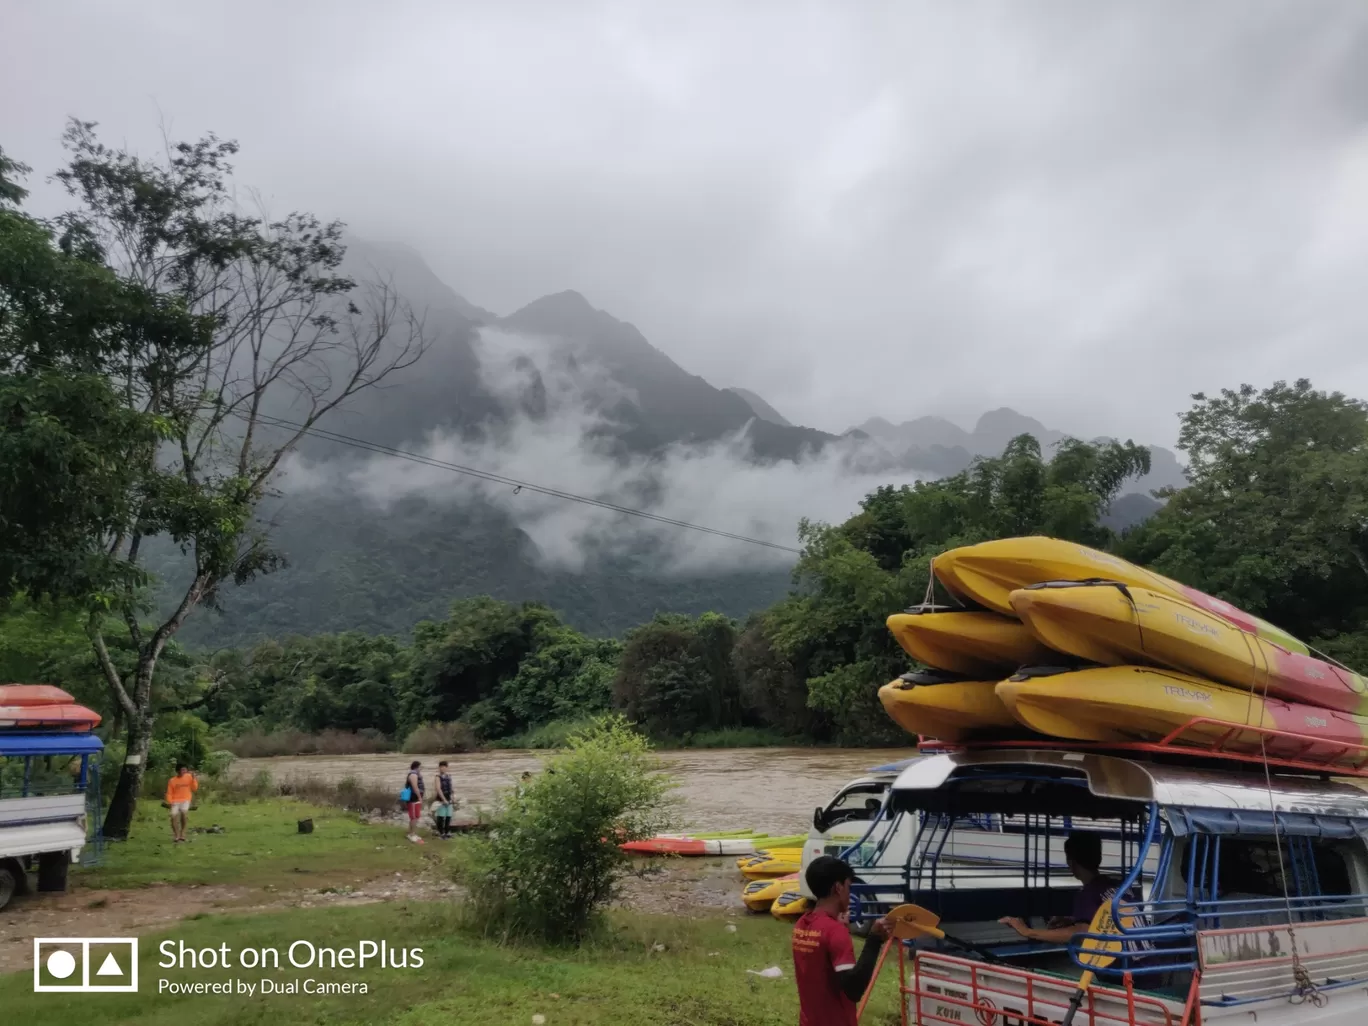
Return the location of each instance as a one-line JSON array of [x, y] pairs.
[[284, 338]]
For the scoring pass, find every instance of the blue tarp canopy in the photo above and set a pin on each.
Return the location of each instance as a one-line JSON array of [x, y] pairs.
[[49, 744], [1254, 823]]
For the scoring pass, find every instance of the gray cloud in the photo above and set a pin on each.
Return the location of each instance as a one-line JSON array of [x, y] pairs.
[[563, 447], [1085, 211]]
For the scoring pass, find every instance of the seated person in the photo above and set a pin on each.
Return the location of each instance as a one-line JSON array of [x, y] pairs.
[[1083, 853]]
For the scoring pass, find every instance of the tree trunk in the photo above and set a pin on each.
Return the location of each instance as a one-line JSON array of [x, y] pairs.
[[119, 819]]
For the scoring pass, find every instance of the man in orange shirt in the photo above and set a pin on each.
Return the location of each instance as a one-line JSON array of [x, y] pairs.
[[179, 791]]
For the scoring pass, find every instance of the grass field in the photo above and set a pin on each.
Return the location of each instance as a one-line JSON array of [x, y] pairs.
[[644, 969], [260, 845]]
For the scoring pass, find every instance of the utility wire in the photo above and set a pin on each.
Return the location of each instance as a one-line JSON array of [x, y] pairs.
[[514, 483]]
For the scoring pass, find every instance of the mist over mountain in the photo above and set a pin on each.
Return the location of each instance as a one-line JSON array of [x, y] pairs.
[[561, 395]]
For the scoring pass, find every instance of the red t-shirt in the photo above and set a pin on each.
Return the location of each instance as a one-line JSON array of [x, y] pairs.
[[821, 949]]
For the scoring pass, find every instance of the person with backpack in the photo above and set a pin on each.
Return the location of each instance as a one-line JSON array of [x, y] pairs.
[[412, 797]]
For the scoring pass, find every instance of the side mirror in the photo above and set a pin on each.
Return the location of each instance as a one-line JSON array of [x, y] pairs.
[[818, 823]]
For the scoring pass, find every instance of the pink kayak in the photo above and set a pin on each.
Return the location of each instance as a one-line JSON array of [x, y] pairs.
[[33, 694]]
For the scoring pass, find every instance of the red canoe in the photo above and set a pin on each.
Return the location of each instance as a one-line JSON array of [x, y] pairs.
[[69, 716], [690, 846], [33, 694]]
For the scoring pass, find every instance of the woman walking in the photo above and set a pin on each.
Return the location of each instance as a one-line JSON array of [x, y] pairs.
[[413, 797]]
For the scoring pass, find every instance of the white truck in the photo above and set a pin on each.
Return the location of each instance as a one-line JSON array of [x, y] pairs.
[[43, 782]]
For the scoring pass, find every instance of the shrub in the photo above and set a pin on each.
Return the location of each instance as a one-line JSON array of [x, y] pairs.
[[257, 744], [440, 739], [552, 863], [556, 734]]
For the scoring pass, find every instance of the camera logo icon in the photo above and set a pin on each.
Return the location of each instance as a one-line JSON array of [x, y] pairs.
[[85, 965]]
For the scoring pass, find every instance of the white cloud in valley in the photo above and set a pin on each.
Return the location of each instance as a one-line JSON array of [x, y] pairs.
[[563, 443]]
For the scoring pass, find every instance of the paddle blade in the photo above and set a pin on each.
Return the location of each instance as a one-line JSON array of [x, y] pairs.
[[908, 921], [1095, 952]]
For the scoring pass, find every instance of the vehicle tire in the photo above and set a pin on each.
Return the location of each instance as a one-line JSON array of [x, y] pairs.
[[8, 884], [52, 870]]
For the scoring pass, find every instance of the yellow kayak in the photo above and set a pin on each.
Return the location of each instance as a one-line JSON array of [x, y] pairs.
[[789, 905], [1115, 626], [1138, 703], [792, 847], [970, 643], [778, 863], [759, 895], [989, 572], [964, 710]]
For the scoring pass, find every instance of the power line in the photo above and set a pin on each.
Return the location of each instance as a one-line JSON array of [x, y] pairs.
[[516, 484]]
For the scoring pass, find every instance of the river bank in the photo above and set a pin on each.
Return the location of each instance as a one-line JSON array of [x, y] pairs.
[[768, 789]]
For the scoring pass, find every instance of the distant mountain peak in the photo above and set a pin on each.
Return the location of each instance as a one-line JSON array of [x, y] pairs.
[[762, 409]]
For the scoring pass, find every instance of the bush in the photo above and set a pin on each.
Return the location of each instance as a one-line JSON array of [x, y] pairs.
[[440, 739], [556, 734], [552, 863]]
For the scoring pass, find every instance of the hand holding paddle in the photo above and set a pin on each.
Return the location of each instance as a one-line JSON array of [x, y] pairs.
[[1095, 954], [909, 921]]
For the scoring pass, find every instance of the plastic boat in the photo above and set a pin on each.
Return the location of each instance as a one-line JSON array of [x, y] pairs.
[[1112, 625], [33, 694], [68, 716], [954, 711], [989, 572], [691, 846], [777, 863], [977, 645], [790, 905], [759, 895], [1138, 703]]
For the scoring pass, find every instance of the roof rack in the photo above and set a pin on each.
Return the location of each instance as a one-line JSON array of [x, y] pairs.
[[1236, 742]]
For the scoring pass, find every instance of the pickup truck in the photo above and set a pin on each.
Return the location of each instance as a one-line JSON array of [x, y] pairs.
[[42, 823]]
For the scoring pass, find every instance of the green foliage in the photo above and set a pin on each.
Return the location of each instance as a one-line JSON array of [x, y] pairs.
[[440, 739], [552, 863], [1276, 517], [676, 677], [466, 658], [70, 444], [178, 737]]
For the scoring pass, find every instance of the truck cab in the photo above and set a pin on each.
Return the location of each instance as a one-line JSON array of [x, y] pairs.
[[44, 784]]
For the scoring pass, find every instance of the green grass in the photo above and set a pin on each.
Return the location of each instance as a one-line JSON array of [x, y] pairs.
[[260, 845], [699, 978]]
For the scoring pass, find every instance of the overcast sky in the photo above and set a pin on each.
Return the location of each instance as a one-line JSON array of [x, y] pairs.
[[1083, 210]]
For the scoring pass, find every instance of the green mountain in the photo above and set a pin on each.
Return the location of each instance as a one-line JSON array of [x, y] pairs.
[[384, 560]]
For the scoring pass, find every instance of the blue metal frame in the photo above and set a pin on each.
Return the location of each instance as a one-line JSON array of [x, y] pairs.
[[30, 746]]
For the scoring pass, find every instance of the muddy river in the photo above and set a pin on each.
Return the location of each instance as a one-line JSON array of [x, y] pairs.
[[768, 789]]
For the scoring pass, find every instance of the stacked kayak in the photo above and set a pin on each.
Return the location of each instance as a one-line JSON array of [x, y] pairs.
[[43, 707], [1067, 642]]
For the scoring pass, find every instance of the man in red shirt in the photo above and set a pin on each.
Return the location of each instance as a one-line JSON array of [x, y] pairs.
[[830, 980]]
